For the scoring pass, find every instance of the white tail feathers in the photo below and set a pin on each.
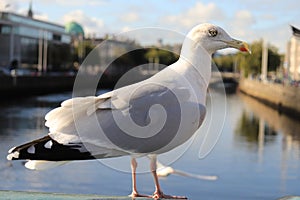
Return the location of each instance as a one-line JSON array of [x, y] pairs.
[[164, 171], [43, 164], [62, 117]]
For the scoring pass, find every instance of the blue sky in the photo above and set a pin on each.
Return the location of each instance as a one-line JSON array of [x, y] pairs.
[[248, 19]]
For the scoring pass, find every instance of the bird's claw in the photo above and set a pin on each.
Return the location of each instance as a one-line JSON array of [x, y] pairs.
[[136, 194], [160, 195], [156, 195]]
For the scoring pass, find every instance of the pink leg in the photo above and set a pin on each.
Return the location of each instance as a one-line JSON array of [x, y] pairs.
[[133, 173], [158, 192]]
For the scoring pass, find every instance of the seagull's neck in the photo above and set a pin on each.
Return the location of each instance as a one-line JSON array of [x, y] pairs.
[[197, 60]]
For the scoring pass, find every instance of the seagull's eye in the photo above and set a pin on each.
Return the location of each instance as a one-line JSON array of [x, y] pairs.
[[213, 32]]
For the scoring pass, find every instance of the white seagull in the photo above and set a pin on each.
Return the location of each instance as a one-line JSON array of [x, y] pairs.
[[143, 119]]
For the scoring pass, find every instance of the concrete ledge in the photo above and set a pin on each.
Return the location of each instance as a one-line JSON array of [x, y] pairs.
[[18, 195], [282, 97], [290, 198]]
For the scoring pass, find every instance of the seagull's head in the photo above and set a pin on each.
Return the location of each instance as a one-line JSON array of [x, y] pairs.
[[213, 38]]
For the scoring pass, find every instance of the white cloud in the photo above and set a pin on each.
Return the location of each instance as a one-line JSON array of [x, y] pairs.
[[8, 5], [41, 16], [269, 20], [73, 3], [13, 6], [241, 23], [277, 35], [126, 29], [269, 17], [243, 18], [196, 14], [36, 14], [91, 25], [244, 25], [130, 17]]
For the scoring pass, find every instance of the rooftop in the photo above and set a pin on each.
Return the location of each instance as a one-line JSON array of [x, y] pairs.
[[74, 28], [11, 18], [296, 31]]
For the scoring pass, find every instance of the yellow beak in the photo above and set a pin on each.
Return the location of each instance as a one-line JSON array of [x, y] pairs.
[[240, 45]]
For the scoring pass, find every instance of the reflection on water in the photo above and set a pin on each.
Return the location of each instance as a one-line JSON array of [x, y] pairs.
[[254, 130], [259, 123], [257, 156], [268, 123]]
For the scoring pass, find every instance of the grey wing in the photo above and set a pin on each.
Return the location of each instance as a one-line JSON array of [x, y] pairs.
[[129, 120], [155, 117]]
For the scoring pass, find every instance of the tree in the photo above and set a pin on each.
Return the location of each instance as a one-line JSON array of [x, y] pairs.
[[251, 63], [165, 57], [225, 62]]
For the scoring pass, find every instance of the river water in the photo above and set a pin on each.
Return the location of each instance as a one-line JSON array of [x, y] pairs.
[[256, 157]]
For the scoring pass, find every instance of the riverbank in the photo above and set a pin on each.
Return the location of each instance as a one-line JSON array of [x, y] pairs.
[[30, 85], [284, 98], [21, 86]]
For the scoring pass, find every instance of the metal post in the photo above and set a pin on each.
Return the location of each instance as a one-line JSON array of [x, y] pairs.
[[40, 55], [11, 44], [261, 138], [45, 51], [296, 62], [264, 63]]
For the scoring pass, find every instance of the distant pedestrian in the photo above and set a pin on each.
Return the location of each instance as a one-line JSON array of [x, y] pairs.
[[14, 65]]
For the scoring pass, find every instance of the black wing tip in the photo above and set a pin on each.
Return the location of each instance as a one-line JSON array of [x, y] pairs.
[[48, 149], [17, 153], [13, 154]]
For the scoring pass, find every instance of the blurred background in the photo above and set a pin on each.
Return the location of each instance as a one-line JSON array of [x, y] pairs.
[[44, 43]]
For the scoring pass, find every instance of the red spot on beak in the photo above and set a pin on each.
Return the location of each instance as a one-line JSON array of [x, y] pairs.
[[243, 49]]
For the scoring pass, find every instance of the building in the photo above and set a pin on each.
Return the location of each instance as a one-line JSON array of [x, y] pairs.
[[33, 44], [107, 50], [292, 58], [74, 29], [77, 41]]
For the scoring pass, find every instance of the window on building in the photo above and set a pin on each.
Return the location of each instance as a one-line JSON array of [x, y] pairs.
[[56, 37], [4, 29]]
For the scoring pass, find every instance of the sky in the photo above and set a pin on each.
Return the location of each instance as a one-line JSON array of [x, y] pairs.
[[248, 20]]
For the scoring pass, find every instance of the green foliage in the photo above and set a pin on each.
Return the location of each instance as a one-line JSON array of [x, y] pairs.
[[250, 63], [248, 127], [131, 59], [144, 55], [225, 62], [88, 47], [164, 56]]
